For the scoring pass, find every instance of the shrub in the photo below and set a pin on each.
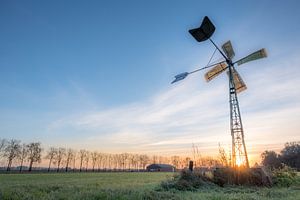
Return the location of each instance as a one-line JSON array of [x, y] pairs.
[[231, 176], [186, 180], [284, 176], [223, 176]]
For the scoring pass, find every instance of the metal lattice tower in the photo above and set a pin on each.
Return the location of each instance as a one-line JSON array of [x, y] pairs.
[[239, 157], [239, 152]]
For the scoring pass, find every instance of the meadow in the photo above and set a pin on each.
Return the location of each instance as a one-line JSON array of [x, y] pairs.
[[123, 186]]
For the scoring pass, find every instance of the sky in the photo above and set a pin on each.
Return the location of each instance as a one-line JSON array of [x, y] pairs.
[[96, 75]]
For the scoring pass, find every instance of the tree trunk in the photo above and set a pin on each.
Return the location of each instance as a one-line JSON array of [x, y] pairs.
[[80, 166], [67, 165], [21, 165], [49, 164], [74, 161], [30, 165], [8, 165], [58, 165]]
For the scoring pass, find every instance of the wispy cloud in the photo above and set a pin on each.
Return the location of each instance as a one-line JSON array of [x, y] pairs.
[[192, 112]]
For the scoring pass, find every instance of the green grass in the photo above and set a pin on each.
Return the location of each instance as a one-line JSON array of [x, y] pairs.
[[123, 186]]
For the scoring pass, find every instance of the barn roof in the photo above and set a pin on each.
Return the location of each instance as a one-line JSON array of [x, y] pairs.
[[160, 166]]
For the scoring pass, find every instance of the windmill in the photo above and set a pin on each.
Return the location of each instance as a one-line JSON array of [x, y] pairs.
[[236, 85]]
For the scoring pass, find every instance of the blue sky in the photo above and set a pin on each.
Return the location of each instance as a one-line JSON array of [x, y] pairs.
[[96, 74]]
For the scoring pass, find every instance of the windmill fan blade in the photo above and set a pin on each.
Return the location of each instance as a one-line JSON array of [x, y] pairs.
[[254, 56], [215, 71], [204, 32], [238, 81], [228, 50]]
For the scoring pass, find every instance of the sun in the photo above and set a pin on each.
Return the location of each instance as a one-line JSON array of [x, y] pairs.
[[239, 161]]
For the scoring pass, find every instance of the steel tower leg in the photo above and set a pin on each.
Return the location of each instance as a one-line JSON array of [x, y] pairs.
[[239, 152]]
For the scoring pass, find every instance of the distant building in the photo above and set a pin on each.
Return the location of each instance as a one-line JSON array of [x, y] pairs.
[[160, 168]]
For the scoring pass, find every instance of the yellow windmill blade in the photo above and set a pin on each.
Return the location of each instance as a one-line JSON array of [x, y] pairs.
[[215, 71], [262, 53], [239, 84], [228, 50]]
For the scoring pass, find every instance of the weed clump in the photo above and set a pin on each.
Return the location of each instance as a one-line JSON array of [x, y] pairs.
[[187, 180], [252, 177]]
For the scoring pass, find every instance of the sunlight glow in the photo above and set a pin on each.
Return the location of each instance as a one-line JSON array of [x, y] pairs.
[[239, 161]]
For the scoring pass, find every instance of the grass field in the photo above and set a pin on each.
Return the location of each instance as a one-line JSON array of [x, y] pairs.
[[123, 186]]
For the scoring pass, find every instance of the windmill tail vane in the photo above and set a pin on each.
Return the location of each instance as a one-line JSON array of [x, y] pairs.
[[239, 156]]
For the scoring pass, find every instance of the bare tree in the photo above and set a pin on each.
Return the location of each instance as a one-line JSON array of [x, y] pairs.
[[87, 159], [74, 160], [175, 161], [133, 161], [144, 160], [154, 159], [11, 151], [23, 155], [107, 161], [124, 157], [51, 154], [100, 158], [109, 158], [94, 156], [130, 160], [118, 161], [137, 162], [104, 161], [69, 157], [82, 154], [34, 153], [61, 153], [114, 161]]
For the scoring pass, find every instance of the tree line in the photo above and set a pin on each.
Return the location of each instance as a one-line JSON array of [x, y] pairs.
[[289, 155], [67, 159], [21, 156]]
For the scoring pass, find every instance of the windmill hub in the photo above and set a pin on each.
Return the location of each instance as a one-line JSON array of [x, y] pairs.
[[239, 155]]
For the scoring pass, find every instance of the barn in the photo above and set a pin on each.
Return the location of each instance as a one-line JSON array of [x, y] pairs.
[[160, 168]]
